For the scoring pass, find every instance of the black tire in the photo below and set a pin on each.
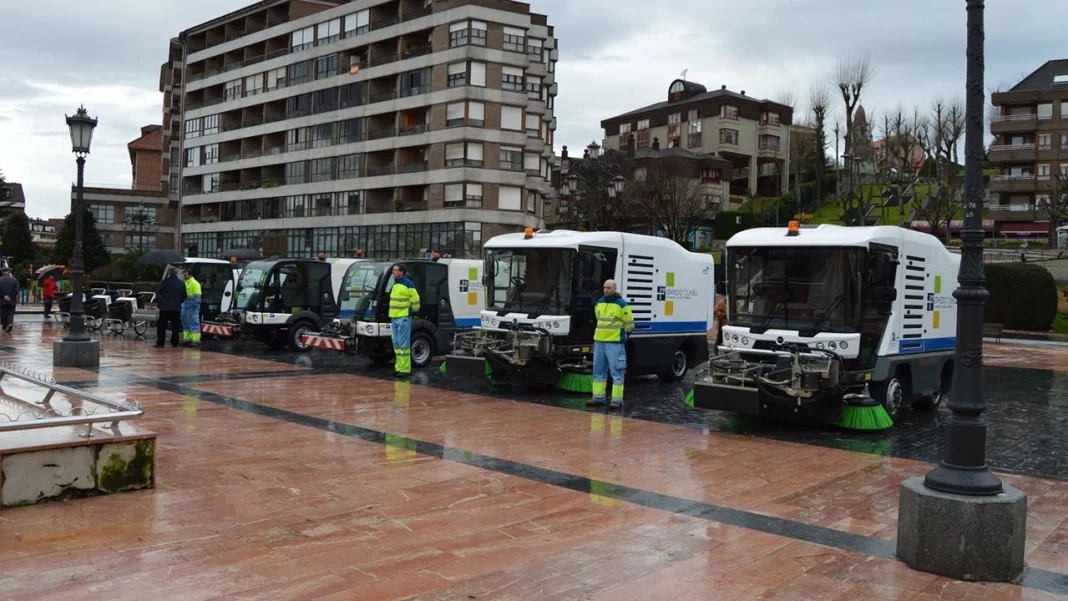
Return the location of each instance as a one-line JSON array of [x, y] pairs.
[[423, 350], [892, 394], [680, 364], [140, 327], [934, 401], [295, 332]]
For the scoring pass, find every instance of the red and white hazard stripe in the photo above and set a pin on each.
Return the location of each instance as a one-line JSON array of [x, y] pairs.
[[207, 328], [317, 341]]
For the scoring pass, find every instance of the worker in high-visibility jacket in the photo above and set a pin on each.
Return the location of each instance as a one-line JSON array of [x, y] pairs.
[[403, 304], [191, 311], [614, 322]]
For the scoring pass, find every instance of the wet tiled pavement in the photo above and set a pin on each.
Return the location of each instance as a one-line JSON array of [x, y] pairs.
[[315, 477]]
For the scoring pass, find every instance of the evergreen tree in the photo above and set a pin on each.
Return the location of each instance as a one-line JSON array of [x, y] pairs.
[[94, 253], [17, 242]]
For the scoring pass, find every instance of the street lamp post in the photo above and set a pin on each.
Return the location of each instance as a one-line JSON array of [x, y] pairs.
[[960, 520], [140, 221], [77, 349]]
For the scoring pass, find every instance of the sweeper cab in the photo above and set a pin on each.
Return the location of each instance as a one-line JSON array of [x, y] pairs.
[[450, 291], [541, 289], [834, 324]]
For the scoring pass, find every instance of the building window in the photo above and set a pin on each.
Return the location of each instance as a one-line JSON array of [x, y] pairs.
[[254, 84], [1043, 171], [474, 154], [675, 128], [211, 154], [329, 32], [299, 73], [192, 157], [533, 125], [1064, 110], [323, 135], [211, 182], [296, 173], [326, 66], [350, 166], [302, 39], [454, 114], [232, 90], [353, 94], [1063, 170], [321, 170], [298, 139], [102, 213], [357, 23], [476, 114], [765, 142], [511, 159], [463, 195], [515, 40], [349, 203], [296, 206], [535, 48], [710, 176], [512, 118], [211, 125], [352, 130], [1045, 141], [728, 136], [192, 128], [728, 112], [174, 183], [512, 79], [478, 74], [413, 83], [770, 118], [532, 163], [467, 32], [324, 101], [624, 128], [457, 75], [298, 106], [1044, 111], [454, 155], [322, 205], [1064, 138], [276, 79], [534, 88], [139, 241], [643, 124], [510, 199]]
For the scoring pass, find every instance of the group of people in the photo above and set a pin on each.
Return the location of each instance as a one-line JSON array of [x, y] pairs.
[[10, 291], [178, 301]]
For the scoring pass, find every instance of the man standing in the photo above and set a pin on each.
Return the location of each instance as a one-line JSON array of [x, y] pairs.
[[403, 303], [9, 297], [169, 302], [614, 322], [191, 310], [48, 293]]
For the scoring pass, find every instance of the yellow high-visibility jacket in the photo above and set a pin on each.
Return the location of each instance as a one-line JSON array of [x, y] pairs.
[[403, 299], [614, 319]]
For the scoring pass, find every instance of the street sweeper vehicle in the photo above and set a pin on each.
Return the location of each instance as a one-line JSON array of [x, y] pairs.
[[451, 297], [846, 325], [218, 282], [541, 289], [281, 300]]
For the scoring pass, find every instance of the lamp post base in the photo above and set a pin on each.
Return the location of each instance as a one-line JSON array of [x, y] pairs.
[[976, 538], [66, 353]]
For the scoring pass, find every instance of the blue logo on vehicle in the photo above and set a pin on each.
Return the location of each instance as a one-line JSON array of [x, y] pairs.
[[464, 284], [930, 301], [661, 293]]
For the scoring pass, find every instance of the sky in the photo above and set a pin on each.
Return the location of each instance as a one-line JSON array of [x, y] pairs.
[[615, 56]]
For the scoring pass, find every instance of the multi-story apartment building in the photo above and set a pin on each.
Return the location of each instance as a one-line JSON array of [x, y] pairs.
[[1030, 150], [754, 135], [138, 216], [387, 126]]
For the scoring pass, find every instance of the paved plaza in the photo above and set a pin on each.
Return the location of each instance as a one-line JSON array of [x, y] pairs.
[[318, 477]]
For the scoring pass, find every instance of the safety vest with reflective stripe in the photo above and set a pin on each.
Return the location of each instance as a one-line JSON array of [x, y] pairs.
[[403, 299], [614, 319], [192, 288]]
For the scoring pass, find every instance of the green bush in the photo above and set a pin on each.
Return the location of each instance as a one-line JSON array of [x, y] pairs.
[[1022, 296]]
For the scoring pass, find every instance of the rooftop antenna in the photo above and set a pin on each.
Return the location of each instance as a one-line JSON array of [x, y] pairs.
[[684, 72]]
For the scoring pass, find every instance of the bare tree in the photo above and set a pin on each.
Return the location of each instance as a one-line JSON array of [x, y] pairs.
[[853, 74], [788, 97], [669, 199], [939, 208], [819, 101], [1057, 203], [900, 140]]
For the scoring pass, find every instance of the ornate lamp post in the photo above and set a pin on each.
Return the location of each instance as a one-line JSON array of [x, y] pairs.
[[960, 520], [77, 349], [140, 221]]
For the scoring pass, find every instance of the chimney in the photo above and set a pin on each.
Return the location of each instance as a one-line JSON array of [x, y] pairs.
[[631, 145], [563, 154], [586, 153], [656, 143], [743, 92], [723, 87]]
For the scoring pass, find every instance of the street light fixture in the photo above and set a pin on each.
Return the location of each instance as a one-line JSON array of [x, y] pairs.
[[81, 136], [139, 220], [617, 186]]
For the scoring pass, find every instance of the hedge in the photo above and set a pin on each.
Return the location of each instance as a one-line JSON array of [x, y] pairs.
[[1022, 296]]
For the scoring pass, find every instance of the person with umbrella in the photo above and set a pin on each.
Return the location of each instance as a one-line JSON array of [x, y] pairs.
[[191, 310], [48, 293], [169, 301]]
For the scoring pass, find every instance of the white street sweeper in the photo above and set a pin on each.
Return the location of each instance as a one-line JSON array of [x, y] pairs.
[[834, 324]]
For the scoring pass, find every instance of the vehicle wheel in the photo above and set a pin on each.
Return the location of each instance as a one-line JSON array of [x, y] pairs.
[[140, 327], [892, 395], [934, 401], [422, 349], [295, 332], [680, 364], [117, 328]]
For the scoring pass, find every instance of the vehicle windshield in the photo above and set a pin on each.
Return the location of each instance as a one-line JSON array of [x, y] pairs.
[[808, 290], [357, 291], [535, 281], [250, 287]]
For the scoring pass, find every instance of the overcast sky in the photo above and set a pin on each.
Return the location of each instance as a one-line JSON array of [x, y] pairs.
[[615, 56]]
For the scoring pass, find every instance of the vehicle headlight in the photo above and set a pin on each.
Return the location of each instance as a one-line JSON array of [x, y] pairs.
[[556, 324], [844, 345], [370, 329], [734, 338], [832, 345], [745, 341], [819, 345]]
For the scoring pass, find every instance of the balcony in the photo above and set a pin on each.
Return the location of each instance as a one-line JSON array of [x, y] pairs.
[[1012, 153], [1012, 183], [1017, 212], [1013, 124]]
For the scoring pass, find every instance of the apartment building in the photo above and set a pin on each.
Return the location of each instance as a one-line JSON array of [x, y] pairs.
[[12, 198], [1030, 126], [754, 135], [139, 216], [388, 126]]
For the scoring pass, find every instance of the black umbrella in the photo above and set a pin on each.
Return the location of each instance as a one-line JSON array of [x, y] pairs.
[[241, 254], [49, 269], [160, 256]]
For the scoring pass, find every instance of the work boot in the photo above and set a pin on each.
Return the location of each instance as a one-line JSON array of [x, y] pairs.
[[615, 404], [595, 402]]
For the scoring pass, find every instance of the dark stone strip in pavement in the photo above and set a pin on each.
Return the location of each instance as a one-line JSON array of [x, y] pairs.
[[116, 378], [1045, 580]]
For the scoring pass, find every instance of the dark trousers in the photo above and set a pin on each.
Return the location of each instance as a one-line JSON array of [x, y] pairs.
[[7, 315], [47, 307], [173, 319]]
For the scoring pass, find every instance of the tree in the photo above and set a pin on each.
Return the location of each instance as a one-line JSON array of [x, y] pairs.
[[591, 205], [853, 74], [900, 141], [819, 100], [1057, 203], [939, 208], [668, 198], [94, 253], [17, 241]]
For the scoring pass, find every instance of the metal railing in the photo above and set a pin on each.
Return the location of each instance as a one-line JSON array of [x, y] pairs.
[[51, 417], [1003, 118], [1008, 147]]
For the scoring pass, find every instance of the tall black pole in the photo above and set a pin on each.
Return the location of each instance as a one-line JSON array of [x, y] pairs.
[[963, 469], [77, 310]]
